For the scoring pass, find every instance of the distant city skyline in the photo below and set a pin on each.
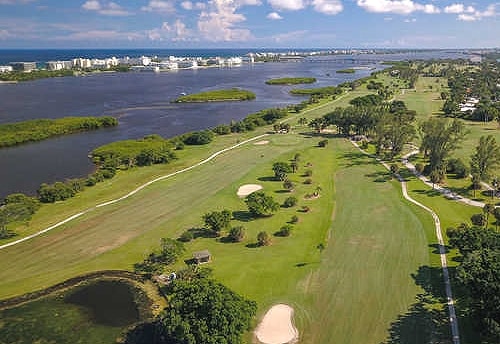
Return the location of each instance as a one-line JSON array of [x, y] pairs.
[[249, 24]]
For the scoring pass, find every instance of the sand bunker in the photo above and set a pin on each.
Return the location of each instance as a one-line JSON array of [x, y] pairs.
[[277, 326], [247, 189], [261, 142]]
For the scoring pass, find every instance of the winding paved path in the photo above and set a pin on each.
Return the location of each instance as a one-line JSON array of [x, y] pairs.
[[442, 251], [131, 193]]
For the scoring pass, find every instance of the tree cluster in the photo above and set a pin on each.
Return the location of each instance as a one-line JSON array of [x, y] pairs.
[[479, 274], [170, 250], [16, 207]]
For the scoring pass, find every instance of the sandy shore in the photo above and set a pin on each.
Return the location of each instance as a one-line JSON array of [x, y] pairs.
[[277, 327]]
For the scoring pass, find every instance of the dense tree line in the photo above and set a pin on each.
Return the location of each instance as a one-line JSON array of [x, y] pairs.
[[479, 275], [33, 75], [217, 95], [12, 134]]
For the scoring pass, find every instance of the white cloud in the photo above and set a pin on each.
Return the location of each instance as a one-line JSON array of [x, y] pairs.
[[4, 34], [240, 3], [458, 8], [92, 5], [491, 11], [396, 6], [159, 7], [289, 5], [330, 7], [219, 22], [410, 20], [107, 9], [187, 5], [274, 16], [289, 36], [177, 31]]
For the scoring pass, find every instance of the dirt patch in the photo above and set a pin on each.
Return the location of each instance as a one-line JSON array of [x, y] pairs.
[[247, 189], [277, 326], [259, 143]]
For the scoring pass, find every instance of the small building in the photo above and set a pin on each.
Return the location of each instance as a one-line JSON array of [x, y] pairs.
[[6, 69], [202, 257]]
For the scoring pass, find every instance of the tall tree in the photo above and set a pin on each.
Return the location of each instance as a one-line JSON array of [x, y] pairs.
[[440, 137], [280, 170], [486, 159], [260, 204], [218, 221]]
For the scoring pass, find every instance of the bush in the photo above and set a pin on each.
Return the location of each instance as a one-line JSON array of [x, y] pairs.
[[308, 181], [323, 143], [457, 167], [285, 231], [236, 234], [263, 239], [290, 202], [305, 209], [308, 173], [199, 138], [478, 220], [186, 236], [294, 219]]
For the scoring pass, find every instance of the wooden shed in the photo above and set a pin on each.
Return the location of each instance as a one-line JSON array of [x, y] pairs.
[[202, 257]]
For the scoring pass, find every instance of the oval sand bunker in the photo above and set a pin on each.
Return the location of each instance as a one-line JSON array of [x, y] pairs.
[[265, 142], [247, 189], [277, 326]]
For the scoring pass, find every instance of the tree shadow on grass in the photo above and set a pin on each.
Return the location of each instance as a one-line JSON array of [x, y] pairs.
[[426, 321], [252, 245], [352, 159], [268, 179], [380, 177], [429, 192], [436, 248]]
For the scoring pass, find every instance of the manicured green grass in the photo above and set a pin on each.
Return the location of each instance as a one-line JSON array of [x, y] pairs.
[[233, 94], [291, 81], [425, 98], [354, 291]]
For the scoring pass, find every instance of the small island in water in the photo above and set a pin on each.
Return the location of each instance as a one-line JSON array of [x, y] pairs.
[[346, 71], [233, 94], [290, 81]]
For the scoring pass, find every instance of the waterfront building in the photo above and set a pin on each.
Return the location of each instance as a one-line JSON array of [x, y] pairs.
[[23, 66], [59, 65], [82, 63], [6, 69]]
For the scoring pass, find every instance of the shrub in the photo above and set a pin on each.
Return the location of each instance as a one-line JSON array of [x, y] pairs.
[[186, 236], [457, 167], [199, 137], [236, 234], [323, 143], [308, 173], [306, 209], [290, 202], [285, 231], [263, 239], [478, 219], [294, 219], [308, 181], [288, 185], [419, 168]]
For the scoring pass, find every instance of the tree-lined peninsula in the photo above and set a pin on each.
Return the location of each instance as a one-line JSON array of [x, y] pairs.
[[13, 134]]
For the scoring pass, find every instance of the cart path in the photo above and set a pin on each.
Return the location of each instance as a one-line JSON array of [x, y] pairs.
[[131, 193], [442, 251]]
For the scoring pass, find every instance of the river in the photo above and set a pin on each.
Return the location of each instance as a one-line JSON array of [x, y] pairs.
[[141, 102]]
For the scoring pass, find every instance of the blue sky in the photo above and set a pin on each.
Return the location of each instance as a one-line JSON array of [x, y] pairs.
[[249, 23]]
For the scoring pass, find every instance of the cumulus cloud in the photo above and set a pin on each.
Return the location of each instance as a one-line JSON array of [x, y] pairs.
[[159, 6], [187, 5], [458, 8], [396, 6], [410, 20], [289, 5], [177, 31], [274, 16], [330, 7], [470, 14], [108, 9], [4, 34], [219, 22]]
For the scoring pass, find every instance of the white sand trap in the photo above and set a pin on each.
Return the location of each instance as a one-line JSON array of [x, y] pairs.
[[264, 142], [247, 189], [277, 326]]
